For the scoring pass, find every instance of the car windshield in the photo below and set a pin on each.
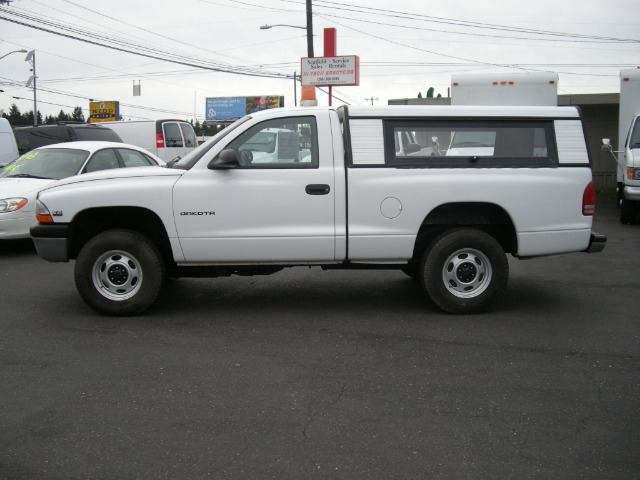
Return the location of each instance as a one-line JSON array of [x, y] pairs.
[[50, 163]]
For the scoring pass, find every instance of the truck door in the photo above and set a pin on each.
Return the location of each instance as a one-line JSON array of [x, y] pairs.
[[173, 142], [276, 206]]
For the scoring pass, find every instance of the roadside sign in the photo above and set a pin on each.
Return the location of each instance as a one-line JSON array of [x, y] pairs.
[[104, 111], [236, 107], [330, 71]]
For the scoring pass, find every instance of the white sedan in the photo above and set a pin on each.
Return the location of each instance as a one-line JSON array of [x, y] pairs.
[[21, 180]]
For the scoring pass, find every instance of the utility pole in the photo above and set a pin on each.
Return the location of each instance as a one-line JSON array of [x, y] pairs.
[[372, 99], [31, 57], [309, 30]]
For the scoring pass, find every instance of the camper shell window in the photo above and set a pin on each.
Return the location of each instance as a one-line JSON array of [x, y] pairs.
[[470, 143]]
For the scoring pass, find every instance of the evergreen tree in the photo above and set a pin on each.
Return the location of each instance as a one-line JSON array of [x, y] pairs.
[[63, 117], [77, 115], [14, 117]]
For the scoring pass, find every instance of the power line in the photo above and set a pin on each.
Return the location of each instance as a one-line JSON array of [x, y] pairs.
[[127, 47], [462, 23]]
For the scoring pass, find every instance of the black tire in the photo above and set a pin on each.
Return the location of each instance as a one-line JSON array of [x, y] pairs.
[[464, 271], [119, 272], [412, 270], [627, 211]]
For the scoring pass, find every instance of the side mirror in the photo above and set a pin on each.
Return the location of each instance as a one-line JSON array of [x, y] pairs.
[[225, 160], [606, 145]]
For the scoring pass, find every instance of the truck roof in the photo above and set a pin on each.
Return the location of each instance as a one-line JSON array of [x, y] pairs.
[[466, 110]]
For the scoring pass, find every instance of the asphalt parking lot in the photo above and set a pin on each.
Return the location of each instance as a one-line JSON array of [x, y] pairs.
[[334, 375]]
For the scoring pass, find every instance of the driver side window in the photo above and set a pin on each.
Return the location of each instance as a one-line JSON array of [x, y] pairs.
[[290, 142]]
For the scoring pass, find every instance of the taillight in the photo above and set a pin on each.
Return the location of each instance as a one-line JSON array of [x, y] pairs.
[[589, 200], [159, 140]]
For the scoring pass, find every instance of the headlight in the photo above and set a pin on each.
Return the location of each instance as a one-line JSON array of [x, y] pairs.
[[633, 173], [12, 204]]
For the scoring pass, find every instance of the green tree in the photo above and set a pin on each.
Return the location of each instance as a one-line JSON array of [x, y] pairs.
[[63, 117], [77, 115], [14, 116], [27, 118]]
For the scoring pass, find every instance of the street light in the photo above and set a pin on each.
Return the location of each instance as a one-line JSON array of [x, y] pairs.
[[267, 27], [15, 51], [308, 28]]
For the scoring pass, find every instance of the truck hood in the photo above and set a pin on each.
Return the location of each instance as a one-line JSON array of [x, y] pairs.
[[21, 187], [115, 173]]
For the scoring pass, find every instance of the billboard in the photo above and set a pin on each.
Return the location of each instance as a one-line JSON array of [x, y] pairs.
[[236, 107], [104, 111], [330, 71]]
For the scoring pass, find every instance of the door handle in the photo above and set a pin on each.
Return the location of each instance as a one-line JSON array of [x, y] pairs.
[[317, 189]]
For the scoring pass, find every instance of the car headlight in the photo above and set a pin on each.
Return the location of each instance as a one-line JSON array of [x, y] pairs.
[[12, 204]]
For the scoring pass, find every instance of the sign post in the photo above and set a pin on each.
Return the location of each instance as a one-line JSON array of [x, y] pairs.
[[330, 49]]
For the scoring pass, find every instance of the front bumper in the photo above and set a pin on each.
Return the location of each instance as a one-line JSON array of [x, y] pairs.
[[16, 224], [596, 243], [631, 193], [51, 242]]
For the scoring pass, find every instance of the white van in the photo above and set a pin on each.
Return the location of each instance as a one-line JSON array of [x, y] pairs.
[[167, 139], [8, 145]]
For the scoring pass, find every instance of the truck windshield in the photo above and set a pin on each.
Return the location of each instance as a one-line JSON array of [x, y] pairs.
[[634, 141], [189, 160]]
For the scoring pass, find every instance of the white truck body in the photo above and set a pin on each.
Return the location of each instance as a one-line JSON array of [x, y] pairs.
[[358, 203], [526, 89], [628, 153], [8, 145], [628, 124]]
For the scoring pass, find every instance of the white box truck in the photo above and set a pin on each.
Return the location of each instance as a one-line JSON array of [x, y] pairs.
[[517, 89], [8, 145], [628, 153]]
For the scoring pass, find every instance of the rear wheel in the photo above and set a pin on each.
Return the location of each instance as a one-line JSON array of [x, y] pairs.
[[464, 271], [119, 272]]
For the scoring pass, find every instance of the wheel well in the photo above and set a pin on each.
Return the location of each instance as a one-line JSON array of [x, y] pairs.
[[88, 223], [488, 217]]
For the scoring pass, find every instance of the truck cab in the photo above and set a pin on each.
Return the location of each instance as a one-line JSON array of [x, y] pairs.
[[628, 154]]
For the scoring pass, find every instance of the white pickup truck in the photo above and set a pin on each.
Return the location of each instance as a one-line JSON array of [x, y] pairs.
[[334, 188]]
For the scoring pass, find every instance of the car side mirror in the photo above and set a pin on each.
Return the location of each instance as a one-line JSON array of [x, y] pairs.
[[225, 160], [606, 145]]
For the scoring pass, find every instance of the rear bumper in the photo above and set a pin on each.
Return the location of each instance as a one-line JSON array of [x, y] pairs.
[[596, 243], [51, 242]]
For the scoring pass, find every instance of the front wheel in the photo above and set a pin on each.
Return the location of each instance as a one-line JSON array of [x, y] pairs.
[[627, 211], [119, 272], [464, 271]]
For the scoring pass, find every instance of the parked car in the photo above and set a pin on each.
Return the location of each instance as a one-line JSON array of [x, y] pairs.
[[168, 139], [8, 147], [37, 136], [21, 179]]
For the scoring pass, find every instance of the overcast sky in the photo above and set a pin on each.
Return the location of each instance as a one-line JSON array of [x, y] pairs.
[[405, 47]]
